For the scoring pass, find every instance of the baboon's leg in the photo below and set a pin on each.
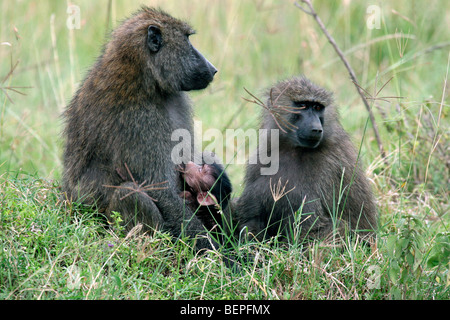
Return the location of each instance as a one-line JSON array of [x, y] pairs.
[[135, 207]]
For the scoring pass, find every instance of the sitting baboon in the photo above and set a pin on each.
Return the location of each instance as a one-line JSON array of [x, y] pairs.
[[319, 186], [119, 124], [207, 191]]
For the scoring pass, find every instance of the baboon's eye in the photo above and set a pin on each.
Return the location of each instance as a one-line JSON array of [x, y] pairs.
[[310, 105], [318, 107]]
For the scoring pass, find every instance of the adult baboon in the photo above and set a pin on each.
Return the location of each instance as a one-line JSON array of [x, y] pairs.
[[120, 121], [319, 182]]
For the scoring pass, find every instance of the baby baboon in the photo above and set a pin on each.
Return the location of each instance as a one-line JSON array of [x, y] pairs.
[[319, 182], [207, 191], [120, 121]]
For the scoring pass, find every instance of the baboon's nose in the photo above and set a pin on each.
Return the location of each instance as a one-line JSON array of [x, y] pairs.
[[316, 133], [212, 69]]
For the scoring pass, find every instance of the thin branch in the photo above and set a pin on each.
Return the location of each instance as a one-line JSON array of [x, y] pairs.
[[14, 89], [10, 72], [376, 97], [313, 13], [275, 110], [140, 188], [384, 85], [303, 9]]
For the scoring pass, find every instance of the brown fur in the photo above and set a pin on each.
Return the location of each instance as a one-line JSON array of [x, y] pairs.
[[123, 116]]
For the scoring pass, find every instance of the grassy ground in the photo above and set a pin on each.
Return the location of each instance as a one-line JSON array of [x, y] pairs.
[[50, 249]]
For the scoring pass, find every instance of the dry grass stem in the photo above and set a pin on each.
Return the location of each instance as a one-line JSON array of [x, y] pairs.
[[14, 89], [278, 191], [275, 110], [141, 188]]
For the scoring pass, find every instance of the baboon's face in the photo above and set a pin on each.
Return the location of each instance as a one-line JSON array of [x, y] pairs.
[[181, 65], [204, 178], [199, 177], [308, 122]]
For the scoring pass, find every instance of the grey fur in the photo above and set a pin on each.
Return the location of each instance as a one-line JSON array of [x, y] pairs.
[[315, 175]]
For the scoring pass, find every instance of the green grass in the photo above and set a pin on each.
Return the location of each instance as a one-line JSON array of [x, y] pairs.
[[54, 250]]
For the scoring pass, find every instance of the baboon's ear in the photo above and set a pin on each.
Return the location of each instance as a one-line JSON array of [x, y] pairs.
[[154, 39]]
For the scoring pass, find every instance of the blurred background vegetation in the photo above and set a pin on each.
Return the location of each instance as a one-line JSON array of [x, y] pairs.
[[253, 43]]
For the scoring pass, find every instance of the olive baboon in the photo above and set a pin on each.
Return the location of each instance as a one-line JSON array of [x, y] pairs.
[[207, 191], [119, 124], [319, 182]]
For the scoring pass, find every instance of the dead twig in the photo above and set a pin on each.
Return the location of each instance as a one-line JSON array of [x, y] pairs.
[[14, 89], [313, 13], [375, 96], [275, 110], [140, 188]]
